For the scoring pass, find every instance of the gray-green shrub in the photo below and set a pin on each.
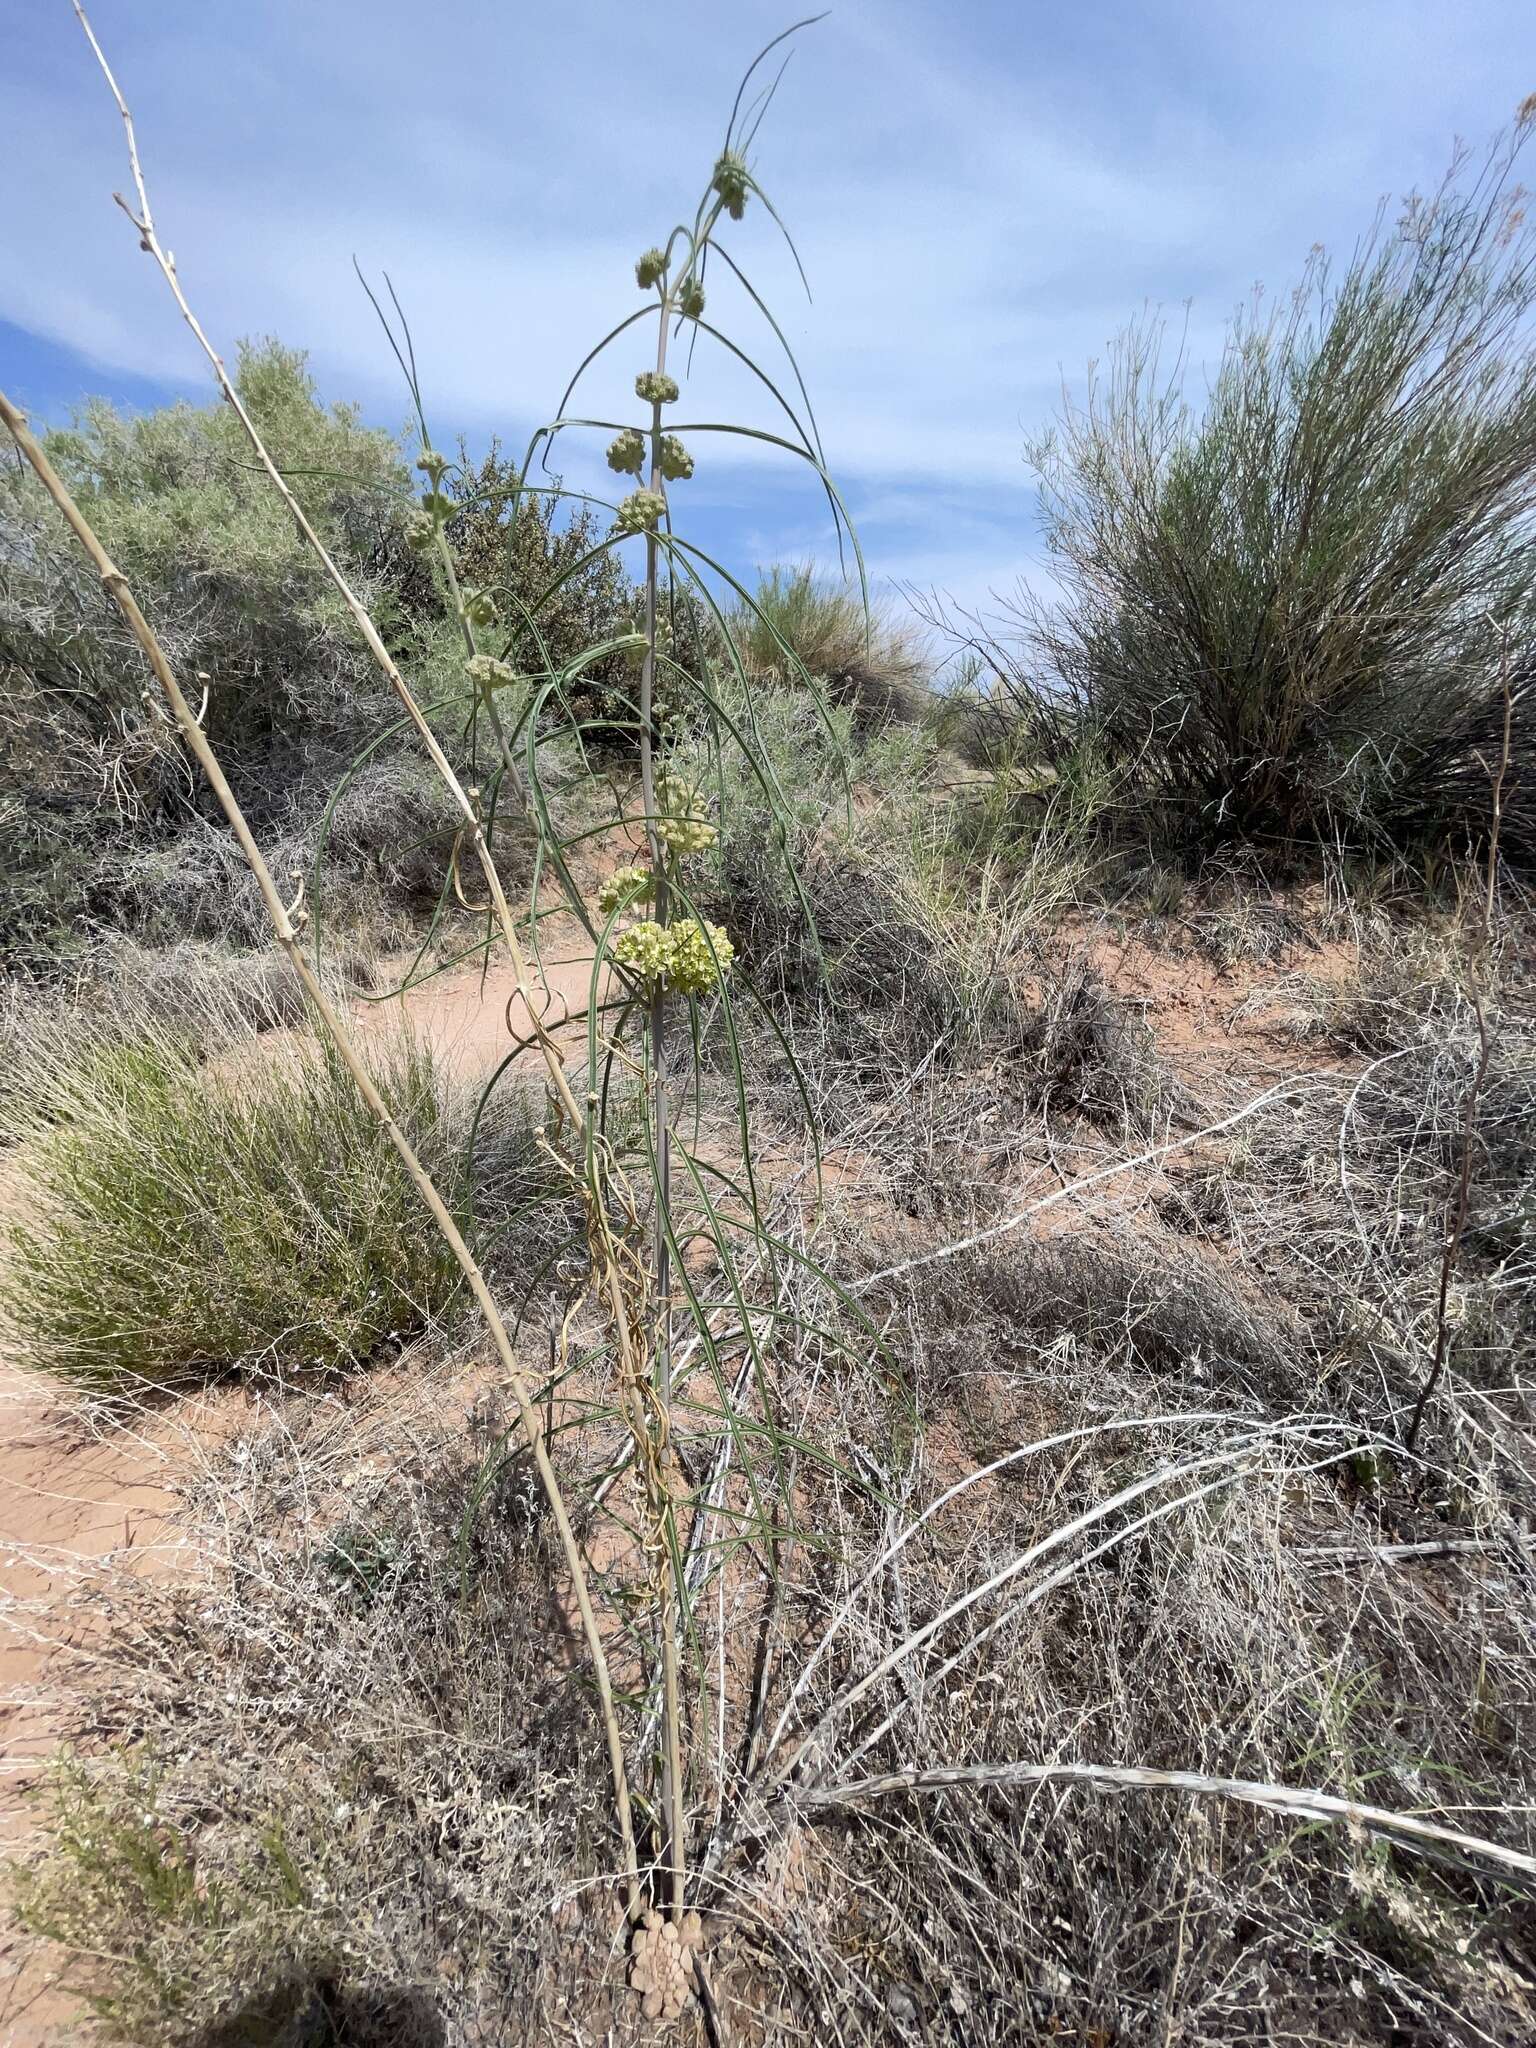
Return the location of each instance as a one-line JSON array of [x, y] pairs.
[[1286, 614]]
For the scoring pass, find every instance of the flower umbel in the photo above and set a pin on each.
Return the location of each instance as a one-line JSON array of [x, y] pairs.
[[732, 181], [692, 956], [645, 949], [626, 452], [690, 300], [641, 511], [656, 387], [626, 885], [682, 827], [701, 955], [650, 269], [487, 673], [676, 462]]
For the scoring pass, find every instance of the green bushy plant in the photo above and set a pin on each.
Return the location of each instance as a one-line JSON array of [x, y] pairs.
[[101, 794], [174, 1220], [799, 621], [1290, 615]]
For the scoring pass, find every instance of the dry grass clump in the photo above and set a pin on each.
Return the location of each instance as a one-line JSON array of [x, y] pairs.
[[1183, 1551], [173, 1220], [1089, 1056], [1203, 1642], [1343, 1197], [338, 1789]]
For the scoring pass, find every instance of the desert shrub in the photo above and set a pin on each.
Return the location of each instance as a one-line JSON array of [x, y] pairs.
[[103, 818], [807, 755], [1288, 615], [559, 591], [835, 908], [866, 662], [175, 1220], [175, 500]]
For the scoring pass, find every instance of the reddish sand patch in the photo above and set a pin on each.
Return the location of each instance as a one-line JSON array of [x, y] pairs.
[[75, 1501]]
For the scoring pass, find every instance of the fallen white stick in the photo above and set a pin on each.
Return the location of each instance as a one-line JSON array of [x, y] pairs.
[[1286, 1799]]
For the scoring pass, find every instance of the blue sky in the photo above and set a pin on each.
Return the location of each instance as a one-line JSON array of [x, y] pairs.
[[982, 194]]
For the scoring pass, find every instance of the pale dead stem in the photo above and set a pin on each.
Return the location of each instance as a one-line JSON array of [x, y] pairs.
[[287, 937], [1405, 1828], [661, 1127]]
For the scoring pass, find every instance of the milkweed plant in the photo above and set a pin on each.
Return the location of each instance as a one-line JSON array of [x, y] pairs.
[[688, 1281]]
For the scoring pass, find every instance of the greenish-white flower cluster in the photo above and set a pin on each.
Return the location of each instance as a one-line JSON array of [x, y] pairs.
[[479, 607], [676, 462], [681, 826], [656, 387], [626, 452], [645, 949], [650, 269], [626, 885], [641, 511], [691, 956], [487, 673], [700, 956], [690, 299]]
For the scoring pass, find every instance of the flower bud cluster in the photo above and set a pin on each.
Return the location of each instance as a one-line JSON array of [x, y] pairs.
[[420, 531], [663, 636], [487, 673], [690, 299], [668, 700], [641, 511], [626, 452], [656, 387], [626, 885], [479, 607], [650, 269], [676, 462], [733, 182], [682, 827]]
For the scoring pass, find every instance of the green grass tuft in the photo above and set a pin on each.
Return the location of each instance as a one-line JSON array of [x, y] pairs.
[[172, 1220]]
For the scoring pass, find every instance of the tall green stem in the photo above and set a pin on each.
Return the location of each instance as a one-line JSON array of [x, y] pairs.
[[661, 1127]]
